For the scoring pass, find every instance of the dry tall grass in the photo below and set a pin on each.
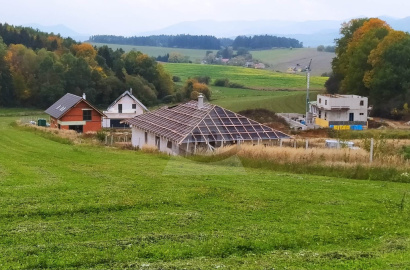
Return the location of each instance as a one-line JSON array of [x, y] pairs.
[[312, 156]]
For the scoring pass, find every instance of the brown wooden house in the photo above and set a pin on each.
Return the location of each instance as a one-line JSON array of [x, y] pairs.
[[75, 113]]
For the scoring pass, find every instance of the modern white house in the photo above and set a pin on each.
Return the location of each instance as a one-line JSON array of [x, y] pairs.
[[340, 111], [124, 107], [184, 128]]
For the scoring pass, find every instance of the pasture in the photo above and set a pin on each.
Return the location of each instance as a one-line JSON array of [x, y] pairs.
[[80, 206], [249, 77], [278, 59], [278, 101]]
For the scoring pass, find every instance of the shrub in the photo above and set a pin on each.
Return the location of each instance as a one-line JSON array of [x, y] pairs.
[[168, 99], [222, 82], [236, 85], [176, 79], [101, 134], [203, 79]]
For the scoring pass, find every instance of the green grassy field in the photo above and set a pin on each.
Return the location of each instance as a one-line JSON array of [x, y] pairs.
[[80, 207], [278, 59], [254, 78], [194, 55], [278, 101]]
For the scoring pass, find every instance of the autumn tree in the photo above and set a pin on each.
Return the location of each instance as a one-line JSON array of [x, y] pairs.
[[6, 81], [193, 88]]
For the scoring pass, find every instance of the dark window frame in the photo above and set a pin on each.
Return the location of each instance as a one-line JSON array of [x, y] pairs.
[[87, 115]]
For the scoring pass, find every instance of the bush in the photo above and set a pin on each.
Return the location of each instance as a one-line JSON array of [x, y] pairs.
[[176, 79], [168, 99], [203, 79], [236, 85], [101, 134], [222, 82]]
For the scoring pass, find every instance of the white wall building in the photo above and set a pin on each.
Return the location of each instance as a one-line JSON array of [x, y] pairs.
[[340, 110], [184, 128], [124, 107]]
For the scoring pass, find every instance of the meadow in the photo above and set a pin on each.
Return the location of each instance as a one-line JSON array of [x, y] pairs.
[[274, 91], [249, 77], [278, 101], [277, 59], [82, 206]]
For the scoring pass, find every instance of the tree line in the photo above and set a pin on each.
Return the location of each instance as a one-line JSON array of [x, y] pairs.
[[201, 42], [178, 41], [373, 60], [265, 42], [37, 68]]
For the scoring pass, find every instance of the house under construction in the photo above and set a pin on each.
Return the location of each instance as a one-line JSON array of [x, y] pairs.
[[184, 128]]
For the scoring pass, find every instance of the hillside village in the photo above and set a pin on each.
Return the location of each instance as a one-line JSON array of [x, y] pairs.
[[237, 153]]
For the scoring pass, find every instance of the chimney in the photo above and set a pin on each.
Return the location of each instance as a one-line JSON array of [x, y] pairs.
[[200, 101], [84, 96], [131, 91]]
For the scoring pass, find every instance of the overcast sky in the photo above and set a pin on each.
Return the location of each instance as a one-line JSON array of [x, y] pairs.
[[128, 17]]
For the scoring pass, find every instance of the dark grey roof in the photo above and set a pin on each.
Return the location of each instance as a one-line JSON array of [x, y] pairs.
[[187, 123], [61, 106], [64, 104], [131, 96]]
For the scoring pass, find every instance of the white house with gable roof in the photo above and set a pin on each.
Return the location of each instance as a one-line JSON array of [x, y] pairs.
[[125, 106]]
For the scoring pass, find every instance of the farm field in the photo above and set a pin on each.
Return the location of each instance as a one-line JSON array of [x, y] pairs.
[[68, 206], [282, 59], [194, 55], [278, 59], [253, 78], [278, 101]]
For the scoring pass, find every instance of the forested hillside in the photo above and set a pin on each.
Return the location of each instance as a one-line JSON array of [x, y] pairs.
[[37, 68], [201, 42], [373, 60], [265, 42]]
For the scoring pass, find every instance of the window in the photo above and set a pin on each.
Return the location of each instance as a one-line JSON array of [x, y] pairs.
[[134, 106], [146, 137], [361, 102], [119, 108], [320, 100], [361, 113], [325, 115], [169, 144], [157, 142], [87, 115], [325, 102]]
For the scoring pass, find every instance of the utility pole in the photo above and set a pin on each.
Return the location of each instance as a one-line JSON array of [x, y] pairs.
[[307, 90]]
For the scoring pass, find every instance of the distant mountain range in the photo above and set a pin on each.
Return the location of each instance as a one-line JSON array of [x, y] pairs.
[[311, 33], [61, 29]]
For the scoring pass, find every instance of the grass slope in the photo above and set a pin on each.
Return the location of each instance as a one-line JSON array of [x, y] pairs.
[[278, 101], [282, 59], [194, 54], [278, 59], [79, 207], [254, 78]]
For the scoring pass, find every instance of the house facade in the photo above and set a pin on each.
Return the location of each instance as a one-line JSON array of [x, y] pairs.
[[188, 127], [124, 107], [73, 112], [340, 111]]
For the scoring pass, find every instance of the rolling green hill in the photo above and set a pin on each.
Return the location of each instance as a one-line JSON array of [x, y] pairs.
[[277, 101], [278, 59], [249, 77], [271, 90], [79, 207]]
